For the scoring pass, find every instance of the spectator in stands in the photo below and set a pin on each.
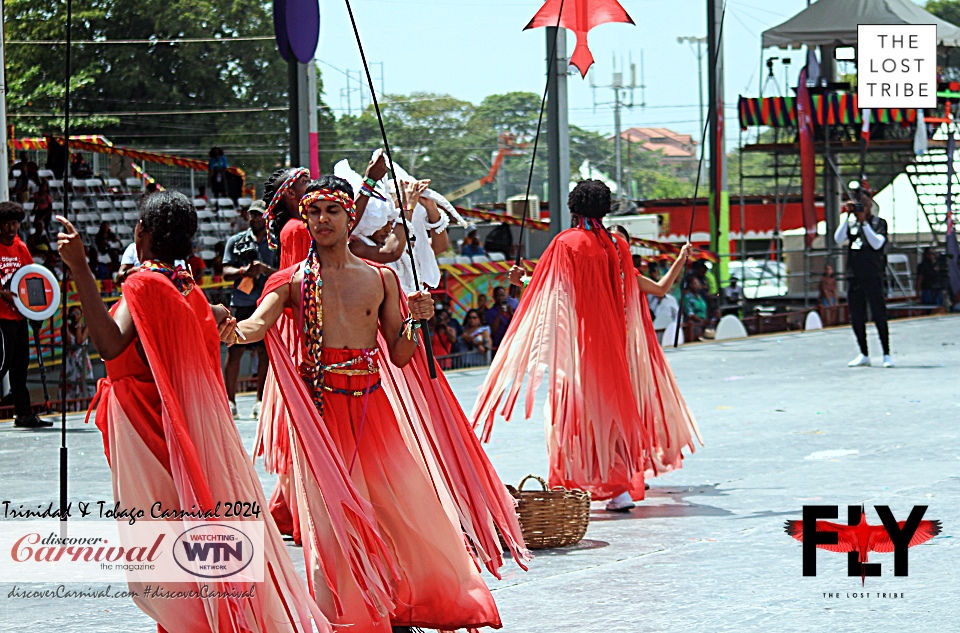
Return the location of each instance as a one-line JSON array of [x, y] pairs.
[[247, 262], [217, 175], [732, 297], [52, 262], [79, 370], [202, 193], [151, 188], [20, 179], [447, 319], [43, 205], [828, 297], [471, 245], [828, 288], [482, 306], [79, 167], [695, 307], [444, 340], [475, 339], [498, 317], [930, 279], [129, 263], [653, 301], [100, 270], [13, 326], [38, 239], [109, 245], [196, 264]]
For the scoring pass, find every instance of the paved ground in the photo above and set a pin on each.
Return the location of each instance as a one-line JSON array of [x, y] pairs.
[[785, 424]]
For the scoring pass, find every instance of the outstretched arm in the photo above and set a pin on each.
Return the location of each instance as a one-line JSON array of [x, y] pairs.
[[662, 287], [401, 348], [111, 335], [255, 328]]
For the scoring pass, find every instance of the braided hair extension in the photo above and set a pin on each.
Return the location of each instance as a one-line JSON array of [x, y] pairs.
[[281, 212]]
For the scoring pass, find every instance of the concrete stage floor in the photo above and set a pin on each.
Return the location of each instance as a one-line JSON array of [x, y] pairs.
[[785, 424]]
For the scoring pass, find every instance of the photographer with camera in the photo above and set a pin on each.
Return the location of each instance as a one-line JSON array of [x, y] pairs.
[[866, 237], [247, 261]]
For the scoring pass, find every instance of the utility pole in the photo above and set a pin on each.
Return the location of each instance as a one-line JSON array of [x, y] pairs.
[[617, 86], [4, 161], [558, 132], [719, 197], [699, 41]]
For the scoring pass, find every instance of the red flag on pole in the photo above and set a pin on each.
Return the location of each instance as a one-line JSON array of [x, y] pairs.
[[808, 161], [580, 16]]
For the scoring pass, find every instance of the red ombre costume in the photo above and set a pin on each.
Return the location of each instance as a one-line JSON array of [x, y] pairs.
[[169, 437], [422, 470], [273, 434], [614, 409]]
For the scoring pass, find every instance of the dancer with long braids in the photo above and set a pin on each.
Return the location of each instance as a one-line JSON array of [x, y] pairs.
[[168, 433], [288, 235], [614, 410], [420, 467]]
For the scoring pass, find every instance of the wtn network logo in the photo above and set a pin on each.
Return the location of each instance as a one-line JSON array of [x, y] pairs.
[[213, 551], [858, 538]]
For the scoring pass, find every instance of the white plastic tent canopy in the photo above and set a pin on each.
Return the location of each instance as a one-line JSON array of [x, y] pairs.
[[834, 23]]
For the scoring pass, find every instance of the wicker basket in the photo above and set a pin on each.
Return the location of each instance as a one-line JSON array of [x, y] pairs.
[[551, 518]]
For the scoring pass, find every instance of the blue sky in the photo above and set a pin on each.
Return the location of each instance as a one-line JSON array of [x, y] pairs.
[[470, 49]]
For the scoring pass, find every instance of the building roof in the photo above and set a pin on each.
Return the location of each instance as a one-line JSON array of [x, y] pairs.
[[660, 139]]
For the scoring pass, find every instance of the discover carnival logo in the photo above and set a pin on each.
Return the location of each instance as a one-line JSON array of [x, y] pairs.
[[147, 551]]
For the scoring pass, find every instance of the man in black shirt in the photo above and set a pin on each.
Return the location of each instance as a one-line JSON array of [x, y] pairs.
[[866, 237]]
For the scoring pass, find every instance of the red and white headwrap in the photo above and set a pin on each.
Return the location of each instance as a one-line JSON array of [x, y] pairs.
[[268, 215], [333, 195]]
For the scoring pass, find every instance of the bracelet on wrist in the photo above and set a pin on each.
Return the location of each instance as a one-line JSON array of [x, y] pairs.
[[370, 182]]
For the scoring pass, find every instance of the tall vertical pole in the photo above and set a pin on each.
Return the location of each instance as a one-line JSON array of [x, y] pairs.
[[313, 132], [558, 132], [618, 142], [63, 308], [299, 82], [4, 161], [719, 197]]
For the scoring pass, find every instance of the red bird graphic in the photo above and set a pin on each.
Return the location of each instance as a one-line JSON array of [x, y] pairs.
[[863, 537], [580, 16]]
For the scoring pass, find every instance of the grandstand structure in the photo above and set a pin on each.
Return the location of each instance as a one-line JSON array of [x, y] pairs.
[[112, 200]]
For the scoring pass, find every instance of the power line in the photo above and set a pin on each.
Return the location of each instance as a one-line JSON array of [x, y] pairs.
[[185, 40], [156, 113]]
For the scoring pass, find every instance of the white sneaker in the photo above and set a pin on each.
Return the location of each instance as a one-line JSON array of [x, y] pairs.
[[887, 360], [255, 412], [859, 361], [621, 503], [233, 410]]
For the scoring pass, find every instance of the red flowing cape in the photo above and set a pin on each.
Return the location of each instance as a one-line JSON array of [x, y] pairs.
[[206, 457], [437, 432], [613, 405]]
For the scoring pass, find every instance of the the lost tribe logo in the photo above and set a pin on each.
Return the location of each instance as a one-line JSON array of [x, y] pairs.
[[858, 538], [213, 551]]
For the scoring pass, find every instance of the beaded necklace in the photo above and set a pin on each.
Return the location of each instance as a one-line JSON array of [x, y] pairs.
[[180, 276], [311, 319]]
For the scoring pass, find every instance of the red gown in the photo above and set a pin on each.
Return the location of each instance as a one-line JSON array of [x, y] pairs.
[[273, 430], [429, 483], [613, 409], [169, 436]]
